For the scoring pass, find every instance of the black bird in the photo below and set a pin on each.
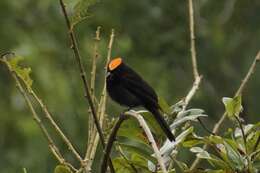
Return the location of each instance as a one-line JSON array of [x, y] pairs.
[[127, 88]]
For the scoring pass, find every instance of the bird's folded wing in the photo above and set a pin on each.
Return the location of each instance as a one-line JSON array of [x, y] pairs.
[[140, 89]]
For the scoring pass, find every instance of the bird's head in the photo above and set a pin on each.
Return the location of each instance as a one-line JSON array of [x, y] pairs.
[[114, 64]]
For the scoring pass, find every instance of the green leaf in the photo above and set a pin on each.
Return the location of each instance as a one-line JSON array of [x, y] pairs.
[[236, 160], [188, 115], [137, 147], [62, 169], [21, 72], [131, 125], [213, 160], [233, 106], [181, 165], [81, 11], [121, 165]]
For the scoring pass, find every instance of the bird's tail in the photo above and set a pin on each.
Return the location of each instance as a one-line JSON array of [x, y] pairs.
[[163, 124]]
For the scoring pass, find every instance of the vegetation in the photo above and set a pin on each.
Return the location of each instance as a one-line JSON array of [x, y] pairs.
[[74, 124]]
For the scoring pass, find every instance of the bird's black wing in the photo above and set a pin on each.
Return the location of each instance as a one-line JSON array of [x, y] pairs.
[[140, 88]]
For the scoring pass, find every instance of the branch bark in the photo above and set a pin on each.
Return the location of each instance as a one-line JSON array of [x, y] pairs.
[[110, 142], [84, 78], [150, 137], [192, 41]]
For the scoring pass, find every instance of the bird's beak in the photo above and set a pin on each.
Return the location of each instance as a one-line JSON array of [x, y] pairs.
[[108, 74]]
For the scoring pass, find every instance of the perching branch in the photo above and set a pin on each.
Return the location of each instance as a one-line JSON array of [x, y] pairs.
[[111, 139], [84, 78], [238, 92], [150, 137]]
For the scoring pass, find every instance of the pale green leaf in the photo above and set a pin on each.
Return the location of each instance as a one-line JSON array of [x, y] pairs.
[[62, 169]]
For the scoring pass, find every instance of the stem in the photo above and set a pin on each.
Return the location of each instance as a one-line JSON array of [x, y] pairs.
[[56, 127], [111, 139], [84, 79], [53, 148], [238, 92], [150, 137], [192, 41], [242, 131]]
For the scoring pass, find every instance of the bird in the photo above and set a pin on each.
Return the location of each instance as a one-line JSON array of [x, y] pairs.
[[127, 88]]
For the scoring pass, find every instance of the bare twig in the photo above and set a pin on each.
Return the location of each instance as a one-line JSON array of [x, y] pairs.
[[242, 132], [192, 91], [238, 92], [53, 148], [111, 139], [56, 127], [84, 79], [103, 98], [248, 75], [197, 77], [192, 41], [94, 62], [240, 89], [101, 107], [150, 137], [92, 133]]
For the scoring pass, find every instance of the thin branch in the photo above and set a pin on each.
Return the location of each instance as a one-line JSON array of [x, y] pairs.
[[192, 41], [101, 107], [192, 91], [91, 124], [54, 150], [150, 137], [111, 139], [56, 127], [240, 89], [103, 98], [84, 78], [197, 77], [94, 62], [238, 92], [242, 132], [248, 75]]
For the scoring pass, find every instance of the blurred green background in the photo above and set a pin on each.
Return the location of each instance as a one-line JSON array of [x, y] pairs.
[[152, 36]]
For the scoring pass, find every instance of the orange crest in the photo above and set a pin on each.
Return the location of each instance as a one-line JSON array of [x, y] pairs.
[[114, 63]]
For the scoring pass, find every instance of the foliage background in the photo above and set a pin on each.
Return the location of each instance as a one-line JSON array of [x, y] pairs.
[[152, 36]]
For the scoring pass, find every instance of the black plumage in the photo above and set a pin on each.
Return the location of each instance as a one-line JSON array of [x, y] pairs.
[[127, 88]]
